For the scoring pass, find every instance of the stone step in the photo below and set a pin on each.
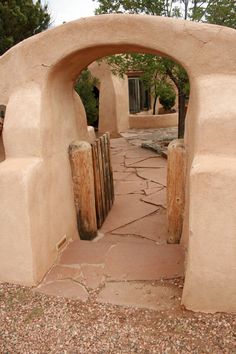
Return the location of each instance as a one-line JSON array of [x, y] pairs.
[[127, 261]]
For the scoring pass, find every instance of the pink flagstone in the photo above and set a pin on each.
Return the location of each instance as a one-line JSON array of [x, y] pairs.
[[153, 227], [158, 198], [64, 288], [144, 262], [126, 209], [155, 175]]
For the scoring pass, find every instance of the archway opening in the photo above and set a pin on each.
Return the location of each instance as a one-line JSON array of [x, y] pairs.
[[141, 202], [130, 88]]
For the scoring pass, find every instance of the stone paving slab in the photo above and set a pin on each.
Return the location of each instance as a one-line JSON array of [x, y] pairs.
[[118, 143], [125, 210], [157, 199], [128, 187], [144, 262], [122, 168], [153, 227], [139, 153], [93, 275], [154, 175], [125, 238], [126, 176], [153, 190], [117, 159], [151, 162], [59, 272], [64, 288], [140, 295], [84, 252], [152, 135]]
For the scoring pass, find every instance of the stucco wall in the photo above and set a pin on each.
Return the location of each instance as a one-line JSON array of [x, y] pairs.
[[143, 121], [113, 99], [44, 116]]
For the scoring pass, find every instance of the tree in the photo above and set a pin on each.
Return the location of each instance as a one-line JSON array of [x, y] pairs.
[[153, 71], [167, 97], [148, 7], [213, 11], [156, 70], [85, 88], [221, 12], [20, 19]]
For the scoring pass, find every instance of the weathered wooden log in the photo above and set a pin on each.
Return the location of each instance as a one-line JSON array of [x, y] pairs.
[[97, 185], [105, 172], [108, 169], [111, 171], [100, 164], [175, 189], [80, 154]]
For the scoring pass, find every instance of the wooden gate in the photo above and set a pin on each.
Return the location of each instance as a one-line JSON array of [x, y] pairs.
[[92, 183]]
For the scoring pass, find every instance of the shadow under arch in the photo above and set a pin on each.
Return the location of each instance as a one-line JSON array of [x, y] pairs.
[[43, 92]]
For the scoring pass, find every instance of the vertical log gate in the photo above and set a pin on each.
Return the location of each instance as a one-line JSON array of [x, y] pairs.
[[92, 183]]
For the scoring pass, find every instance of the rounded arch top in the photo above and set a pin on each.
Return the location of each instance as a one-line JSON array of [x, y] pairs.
[[200, 48]]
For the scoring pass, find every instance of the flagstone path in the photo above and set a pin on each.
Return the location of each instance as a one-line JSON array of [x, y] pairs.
[[128, 260]]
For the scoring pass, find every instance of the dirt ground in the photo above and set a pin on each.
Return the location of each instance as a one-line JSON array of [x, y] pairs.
[[31, 323]]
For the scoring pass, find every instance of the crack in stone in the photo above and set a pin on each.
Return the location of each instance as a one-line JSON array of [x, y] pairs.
[[152, 203], [142, 159], [129, 223], [133, 234], [147, 179]]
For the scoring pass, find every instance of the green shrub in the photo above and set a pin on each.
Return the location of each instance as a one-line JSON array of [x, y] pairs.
[[85, 88], [167, 97]]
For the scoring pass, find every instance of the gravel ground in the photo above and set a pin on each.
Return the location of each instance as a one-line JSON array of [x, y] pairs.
[[35, 323]]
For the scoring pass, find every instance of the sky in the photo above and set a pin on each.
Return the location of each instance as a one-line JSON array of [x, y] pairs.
[[69, 10]]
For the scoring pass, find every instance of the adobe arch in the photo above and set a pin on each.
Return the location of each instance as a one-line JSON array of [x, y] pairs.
[[44, 115]]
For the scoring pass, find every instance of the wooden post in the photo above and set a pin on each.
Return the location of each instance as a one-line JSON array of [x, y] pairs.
[[175, 189], [108, 172], [110, 169], [80, 154], [104, 173], [97, 185], [100, 164]]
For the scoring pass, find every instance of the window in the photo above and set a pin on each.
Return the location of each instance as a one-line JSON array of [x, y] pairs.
[[139, 97]]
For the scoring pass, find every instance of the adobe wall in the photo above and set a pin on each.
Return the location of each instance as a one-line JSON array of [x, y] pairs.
[[113, 99], [44, 116], [145, 121]]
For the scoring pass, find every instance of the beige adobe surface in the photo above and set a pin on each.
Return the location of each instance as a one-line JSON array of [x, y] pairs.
[[113, 99], [44, 116]]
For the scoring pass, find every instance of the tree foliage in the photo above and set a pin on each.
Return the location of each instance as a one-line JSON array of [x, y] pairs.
[[156, 70], [148, 7], [167, 96], [221, 12], [85, 88], [20, 19]]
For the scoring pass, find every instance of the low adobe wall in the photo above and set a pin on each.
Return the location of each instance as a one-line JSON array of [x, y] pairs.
[[153, 121]]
